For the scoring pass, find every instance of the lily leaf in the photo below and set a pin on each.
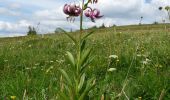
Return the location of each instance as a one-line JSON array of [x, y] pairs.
[[66, 77], [71, 37], [87, 35], [70, 59], [85, 56], [89, 86], [83, 45], [81, 82]]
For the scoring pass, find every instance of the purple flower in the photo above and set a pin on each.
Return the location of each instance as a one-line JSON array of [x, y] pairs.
[[93, 14], [72, 10]]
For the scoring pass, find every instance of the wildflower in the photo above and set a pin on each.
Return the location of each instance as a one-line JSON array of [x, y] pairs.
[[140, 98], [37, 64], [27, 68], [138, 55], [111, 69], [29, 46], [51, 61], [50, 68], [5, 60], [113, 56], [93, 14], [146, 61], [158, 66], [13, 97], [72, 10]]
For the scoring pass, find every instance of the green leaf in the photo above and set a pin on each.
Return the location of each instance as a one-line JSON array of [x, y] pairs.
[[81, 82], [85, 56], [87, 35], [89, 86], [72, 38], [83, 45], [70, 59], [86, 64], [63, 96], [66, 77]]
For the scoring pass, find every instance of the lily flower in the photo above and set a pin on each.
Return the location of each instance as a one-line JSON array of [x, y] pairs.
[[93, 14], [72, 11]]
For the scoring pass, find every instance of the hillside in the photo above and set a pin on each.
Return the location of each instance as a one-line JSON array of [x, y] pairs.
[[29, 65]]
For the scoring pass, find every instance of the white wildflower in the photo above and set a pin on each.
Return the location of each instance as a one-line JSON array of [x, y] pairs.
[[29, 46], [113, 56], [146, 61], [111, 69], [51, 61]]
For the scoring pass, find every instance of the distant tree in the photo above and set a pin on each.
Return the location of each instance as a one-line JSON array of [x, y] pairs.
[[141, 18], [160, 8], [155, 22], [94, 27], [167, 8], [103, 26], [59, 30], [31, 31], [163, 20]]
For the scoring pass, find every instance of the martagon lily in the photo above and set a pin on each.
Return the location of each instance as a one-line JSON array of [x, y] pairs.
[[77, 85], [93, 14], [73, 10]]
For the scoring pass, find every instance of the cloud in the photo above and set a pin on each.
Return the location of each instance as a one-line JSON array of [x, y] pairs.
[[18, 15], [5, 11], [50, 14], [14, 6], [9, 28]]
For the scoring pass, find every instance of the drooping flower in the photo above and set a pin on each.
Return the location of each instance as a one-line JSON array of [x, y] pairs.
[[93, 14], [72, 10]]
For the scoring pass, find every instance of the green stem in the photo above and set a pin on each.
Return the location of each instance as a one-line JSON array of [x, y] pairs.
[[79, 45], [81, 19]]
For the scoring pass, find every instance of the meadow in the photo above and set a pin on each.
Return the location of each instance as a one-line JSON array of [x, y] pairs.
[[140, 55]]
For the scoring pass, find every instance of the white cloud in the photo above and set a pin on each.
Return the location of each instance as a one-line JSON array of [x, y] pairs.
[[50, 15], [18, 27], [6, 11], [14, 6]]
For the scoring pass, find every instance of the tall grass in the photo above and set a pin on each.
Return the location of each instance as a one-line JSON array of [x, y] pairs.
[[29, 66]]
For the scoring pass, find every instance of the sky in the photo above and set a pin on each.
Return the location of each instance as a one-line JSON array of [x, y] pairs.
[[47, 15]]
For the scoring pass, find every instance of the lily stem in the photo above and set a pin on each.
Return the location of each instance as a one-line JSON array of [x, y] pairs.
[[81, 19]]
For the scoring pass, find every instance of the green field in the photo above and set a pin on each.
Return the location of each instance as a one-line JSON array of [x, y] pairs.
[[29, 65]]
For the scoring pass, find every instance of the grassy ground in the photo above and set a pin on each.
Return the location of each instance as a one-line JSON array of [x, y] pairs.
[[29, 65]]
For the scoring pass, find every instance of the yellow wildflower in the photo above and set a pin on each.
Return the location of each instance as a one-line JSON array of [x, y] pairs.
[[13, 97]]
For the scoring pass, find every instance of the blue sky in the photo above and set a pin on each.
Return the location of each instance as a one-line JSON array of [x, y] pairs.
[[17, 15]]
